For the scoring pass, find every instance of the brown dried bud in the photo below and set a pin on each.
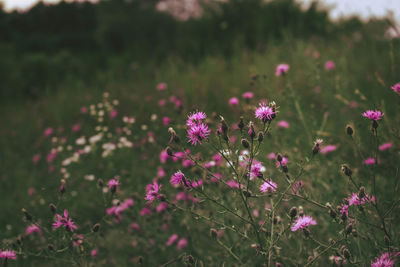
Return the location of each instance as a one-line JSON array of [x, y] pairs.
[[279, 157], [260, 137], [306, 232], [241, 123], [213, 233], [53, 208], [361, 192], [96, 227], [346, 170], [346, 253], [224, 125], [50, 247], [100, 183], [350, 130], [28, 217], [293, 212], [245, 143], [169, 151], [349, 228], [332, 213], [246, 193], [252, 131]]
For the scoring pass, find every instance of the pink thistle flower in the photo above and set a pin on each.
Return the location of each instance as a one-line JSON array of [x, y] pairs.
[[383, 261], [283, 124], [179, 178], [327, 149], [283, 162], [182, 243], [160, 172], [329, 65], [248, 95], [135, 226], [35, 158], [113, 184], [153, 192], [94, 252], [113, 114], [65, 222], [265, 113], [162, 102], [76, 128], [271, 156], [232, 184], [161, 207], [373, 115], [195, 118], [268, 186], [396, 88], [48, 132], [8, 254], [198, 133], [33, 228], [234, 101], [281, 69], [355, 200], [172, 239], [369, 161], [303, 222], [145, 211], [256, 170], [166, 121], [385, 146], [84, 110], [161, 86]]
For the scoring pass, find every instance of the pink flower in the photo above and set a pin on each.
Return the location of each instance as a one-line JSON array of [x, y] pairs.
[[256, 169], [36, 158], [265, 113], [161, 86], [283, 162], [162, 102], [145, 211], [117, 210], [385, 146], [271, 156], [161, 207], [135, 226], [8, 254], [172, 239], [327, 149], [160, 172], [113, 184], [303, 222], [195, 118], [153, 192], [283, 124], [113, 114], [33, 228], [329, 65], [198, 133], [232, 184], [396, 88], [248, 95], [166, 121], [48, 132], [383, 261], [268, 186], [373, 115], [369, 161], [233, 101], [84, 110], [182, 243], [65, 222], [355, 200], [94, 252], [76, 128], [179, 178], [281, 69]]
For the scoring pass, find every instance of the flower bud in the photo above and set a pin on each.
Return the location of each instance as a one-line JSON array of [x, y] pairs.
[[50, 247], [245, 143], [241, 123], [53, 208], [224, 125], [349, 228], [346, 253], [100, 183], [96, 227], [346, 170], [332, 213], [279, 157], [350, 130], [361, 192], [169, 151], [28, 217], [252, 131], [213, 233], [293, 212], [260, 137]]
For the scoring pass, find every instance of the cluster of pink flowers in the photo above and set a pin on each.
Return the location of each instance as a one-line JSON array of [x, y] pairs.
[[117, 210], [265, 113], [303, 222], [178, 178], [385, 260], [198, 131], [396, 88], [354, 200], [373, 114], [8, 254], [268, 186], [181, 244], [64, 221], [385, 146], [281, 69]]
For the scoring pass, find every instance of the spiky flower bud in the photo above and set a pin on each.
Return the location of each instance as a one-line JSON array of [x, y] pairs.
[[350, 130], [361, 192], [260, 137], [293, 212], [252, 131], [241, 123], [169, 151], [245, 143], [96, 227], [346, 170]]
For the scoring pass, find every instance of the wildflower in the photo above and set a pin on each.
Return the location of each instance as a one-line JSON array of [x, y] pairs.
[[329, 65], [233, 101], [162, 206], [198, 133], [369, 161], [232, 184], [166, 121], [248, 95], [195, 118], [281, 69], [385, 146], [161, 86], [317, 145], [94, 252], [33, 228], [283, 162], [256, 170], [113, 114], [373, 115], [172, 239], [153, 191], [179, 178], [48, 132], [302, 223], [396, 88], [264, 113], [283, 124], [65, 222], [8, 254], [268, 186], [182, 243], [113, 184], [327, 149], [383, 261]]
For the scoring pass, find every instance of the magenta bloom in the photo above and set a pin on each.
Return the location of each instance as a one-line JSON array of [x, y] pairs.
[[373, 115], [303, 222], [248, 95], [385, 146], [166, 121], [369, 161], [113, 184], [281, 69], [396, 88], [33, 228], [265, 113], [177, 178], [383, 261], [153, 191], [182, 243], [172, 239], [48, 132], [8, 254], [283, 124], [329, 65], [256, 169], [161, 86], [327, 149], [195, 118], [65, 222], [162, 206], [233, 101], [232, 184], [268, 186], [284, 162], [198, 133], [355, 200]]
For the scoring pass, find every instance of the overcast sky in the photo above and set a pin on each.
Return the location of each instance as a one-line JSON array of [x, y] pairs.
[[365, 8]]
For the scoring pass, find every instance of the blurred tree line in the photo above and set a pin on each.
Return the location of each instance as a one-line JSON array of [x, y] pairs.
[[49, 44]]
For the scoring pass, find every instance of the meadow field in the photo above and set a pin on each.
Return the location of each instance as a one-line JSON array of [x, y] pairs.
[[281, 156]]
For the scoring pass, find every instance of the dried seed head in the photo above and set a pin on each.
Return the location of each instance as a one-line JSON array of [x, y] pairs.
[[96, 227], [28, 217], [245, 143], [213, 233], [53, 208], [260, 137], [361, 192], [346, 170], [350, 130], [241, 123], [293, 212]]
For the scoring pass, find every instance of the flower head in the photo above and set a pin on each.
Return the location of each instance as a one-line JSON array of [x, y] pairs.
[[383, 261], [195, 118], [153, 191], [161, 86], [33, 228], [113, 184], [385, 146], [373, 115], [268, 186], [281, 69], [396, 88], [329, 65], [8, 254], [233, 101], [248, 95], [179, 178], [303, 222], [265, 113], [198, 133], [65, 222]]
